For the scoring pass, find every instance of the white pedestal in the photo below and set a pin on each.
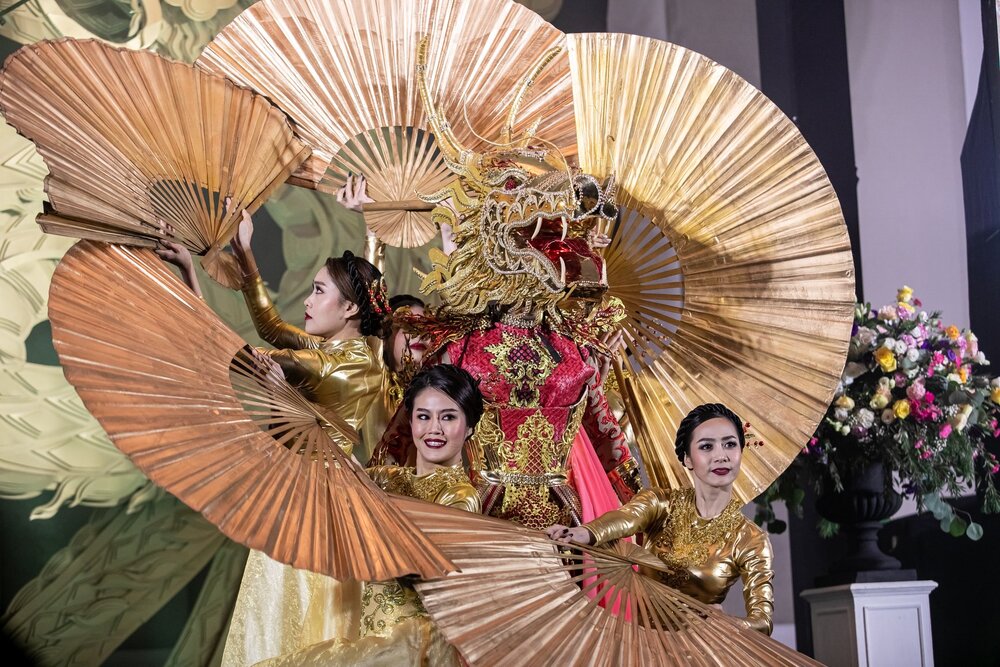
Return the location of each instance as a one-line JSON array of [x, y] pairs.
[[872, 625]]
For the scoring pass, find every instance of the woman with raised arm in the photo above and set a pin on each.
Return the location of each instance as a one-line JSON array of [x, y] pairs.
[[281, 609], [700, 534]]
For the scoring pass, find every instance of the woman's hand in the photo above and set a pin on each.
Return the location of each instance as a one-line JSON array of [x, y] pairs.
[[179, 256], [174, 253], [354, 193], [240, 243], [566, 535]]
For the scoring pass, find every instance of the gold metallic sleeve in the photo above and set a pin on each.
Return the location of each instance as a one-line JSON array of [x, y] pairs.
[[268, 322], [304, 369], [383, 475], [462, 496], [645, 510], [754, 559]]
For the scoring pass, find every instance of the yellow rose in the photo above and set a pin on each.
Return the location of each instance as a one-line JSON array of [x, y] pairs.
[[952, 332], [995, 395], [905, 306], [886, 359], [963, 374], [904, 294], [845, 402], [901, 409], [879, 401], [961, 418]]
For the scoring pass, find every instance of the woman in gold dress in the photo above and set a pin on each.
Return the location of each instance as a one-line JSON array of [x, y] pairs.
[[700, 533], [444, 405], [281, 609]]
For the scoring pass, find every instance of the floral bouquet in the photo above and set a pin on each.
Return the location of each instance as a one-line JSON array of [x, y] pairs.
[[913, 397]]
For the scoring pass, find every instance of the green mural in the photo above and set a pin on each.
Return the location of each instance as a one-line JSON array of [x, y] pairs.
[[108, 550]]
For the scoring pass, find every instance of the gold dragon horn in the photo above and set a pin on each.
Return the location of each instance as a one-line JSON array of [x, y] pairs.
[[447, 143], [522, 92]]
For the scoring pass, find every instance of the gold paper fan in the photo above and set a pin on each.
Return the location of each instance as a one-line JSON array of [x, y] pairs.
[[515, 600], [346, 73], [732, 256], [202, 415], [131, 138]]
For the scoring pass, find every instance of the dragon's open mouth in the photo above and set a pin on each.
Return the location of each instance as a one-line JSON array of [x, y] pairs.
[[574, 261]]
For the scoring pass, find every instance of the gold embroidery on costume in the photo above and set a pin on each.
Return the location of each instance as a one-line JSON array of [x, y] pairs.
[[525, 364], [531, 467], [685, 544], [386, 604]]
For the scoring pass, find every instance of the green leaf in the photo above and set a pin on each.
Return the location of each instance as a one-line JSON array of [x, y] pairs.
[[931, 500], [798, 496], [827, 529], [974, 532], [958, 526], [945, 524], [942, 512]]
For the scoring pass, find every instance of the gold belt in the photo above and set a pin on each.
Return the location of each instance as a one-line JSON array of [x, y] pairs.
[[520, 479]]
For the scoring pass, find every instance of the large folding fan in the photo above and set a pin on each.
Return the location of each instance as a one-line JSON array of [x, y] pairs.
[[133, 140], [204, 416], [731, 254], [346, 74], [517, 599]]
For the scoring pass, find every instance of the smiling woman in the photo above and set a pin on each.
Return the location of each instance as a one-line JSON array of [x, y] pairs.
[[444, 405], [699, 534]]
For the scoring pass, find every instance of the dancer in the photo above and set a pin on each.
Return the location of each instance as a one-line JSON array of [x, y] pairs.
[[699, 534], [524, 313], [280, 608], [444, 406]]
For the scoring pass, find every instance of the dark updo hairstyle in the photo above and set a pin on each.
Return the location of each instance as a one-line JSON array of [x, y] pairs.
[[697, 417], [405, 301], [395, 303], [452, 381], [361, 283]]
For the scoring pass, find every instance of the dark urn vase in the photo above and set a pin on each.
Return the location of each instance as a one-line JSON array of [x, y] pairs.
[[866, 500]]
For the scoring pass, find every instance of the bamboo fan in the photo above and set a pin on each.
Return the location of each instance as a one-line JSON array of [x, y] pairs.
[[131, 138], [346, 73], [516, 600], [205, 417], [732, 256]]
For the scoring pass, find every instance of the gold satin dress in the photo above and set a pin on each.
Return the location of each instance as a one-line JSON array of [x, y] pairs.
[[704, 557], [395, 631], [281, 609]]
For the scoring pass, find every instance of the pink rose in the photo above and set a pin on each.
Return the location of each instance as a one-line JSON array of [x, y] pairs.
[[945, 431], [916, 391]]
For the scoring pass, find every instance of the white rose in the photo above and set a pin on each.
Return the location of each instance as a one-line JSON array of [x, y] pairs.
[[899, 347], [889, 343], [841, 414], [865, 336], [866, 417], [913, 354]]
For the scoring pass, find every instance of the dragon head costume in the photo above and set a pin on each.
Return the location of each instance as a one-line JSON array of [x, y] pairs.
[[525, 223]]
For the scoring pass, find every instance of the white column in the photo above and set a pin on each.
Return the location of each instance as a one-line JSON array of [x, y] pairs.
[[872, 625]]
